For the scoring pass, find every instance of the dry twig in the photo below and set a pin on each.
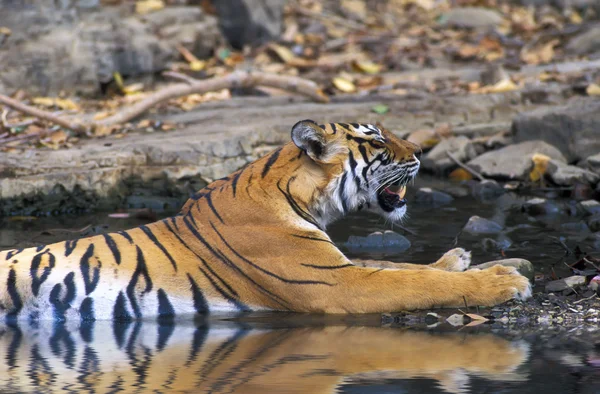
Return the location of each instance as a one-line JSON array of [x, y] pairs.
[[465, 167], [234, 80]]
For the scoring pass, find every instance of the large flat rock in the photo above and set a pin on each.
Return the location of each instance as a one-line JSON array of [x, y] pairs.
[[218, 139]]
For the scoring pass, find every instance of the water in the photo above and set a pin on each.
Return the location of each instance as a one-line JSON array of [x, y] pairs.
[[294, 353]]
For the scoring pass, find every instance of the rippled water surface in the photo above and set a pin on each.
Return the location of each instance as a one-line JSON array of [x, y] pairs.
[[287, 353]]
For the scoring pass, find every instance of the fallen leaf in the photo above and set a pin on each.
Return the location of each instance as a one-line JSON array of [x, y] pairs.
[[366, 67], [540, 166], [56, 102], [593, 90], [380, 109], [425, 138], [357, 7], [460, 175], [456, 320], [344, 84], [147, 6], [540, 53], [475, 316], [283, 53], [5, 31]]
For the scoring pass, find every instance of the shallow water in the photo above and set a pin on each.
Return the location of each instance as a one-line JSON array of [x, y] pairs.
[[287, 353]]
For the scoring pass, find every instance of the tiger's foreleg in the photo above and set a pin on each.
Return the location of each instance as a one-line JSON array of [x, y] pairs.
[[455, 260], [372, 290]]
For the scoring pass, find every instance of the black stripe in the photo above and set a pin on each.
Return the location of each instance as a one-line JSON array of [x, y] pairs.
[[270, 162], [61, 306], [345, 125], [125, 235], [327, 267], [235, 180], [249, 183], [222, 258], [353, 165], [36, 281], [70, 247], [15, 298], [333, 127], [271, 274], [150, 235], [341, 193], [90, 283], [120, 312], [312, 238], [11, 253], [86, 309], [355, 125], [39, 248], [140, 269], [237, 303], [165, 308], [294, 205], [212, 207], [200, 303], [112, 245]]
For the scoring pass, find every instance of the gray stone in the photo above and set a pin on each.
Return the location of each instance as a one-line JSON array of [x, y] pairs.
[[586, 42], [577, 228], [250, 22], [472, 17], [502, 242], [427, 195], [57, 48], [573, 128], [514, 161], [566, 175], [524, 267], [590, 207], [593, 223], [541, 206], [486, 190], [437, 159], [479, 225], [596, 241], [389, 241], [591, 163], [565, 283]]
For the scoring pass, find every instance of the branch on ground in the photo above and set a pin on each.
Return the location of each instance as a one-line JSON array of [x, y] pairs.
[[238, 79]]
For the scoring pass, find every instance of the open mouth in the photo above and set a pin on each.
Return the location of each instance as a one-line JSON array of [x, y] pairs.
[[392, 196]]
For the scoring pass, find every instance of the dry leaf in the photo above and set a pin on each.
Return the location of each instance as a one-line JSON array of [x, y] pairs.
[[357, 7], [593, 90], [344, 84], [5, 31], [285, 54], [475, 316], [425, 138], [146, 6], [540, 166], [460, 175], [56, 102], [539, 54], [366, 67]]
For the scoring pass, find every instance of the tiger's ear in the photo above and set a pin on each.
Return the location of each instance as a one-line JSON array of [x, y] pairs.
[[312, 139]]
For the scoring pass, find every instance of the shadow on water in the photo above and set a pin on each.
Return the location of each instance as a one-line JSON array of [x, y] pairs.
[[287, 354]]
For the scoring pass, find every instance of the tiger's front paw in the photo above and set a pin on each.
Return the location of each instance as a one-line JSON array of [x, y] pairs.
[[454, 260], [498, 284]]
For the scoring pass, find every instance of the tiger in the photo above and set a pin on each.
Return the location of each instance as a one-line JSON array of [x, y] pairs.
[[102, 357], [255, 240]]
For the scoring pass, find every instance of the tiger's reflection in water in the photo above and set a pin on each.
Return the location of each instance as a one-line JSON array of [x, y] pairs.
[[107, 357]]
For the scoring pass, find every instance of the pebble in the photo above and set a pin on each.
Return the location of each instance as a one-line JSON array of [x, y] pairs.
[[426, 195], [541, 206], [389, 241], [524, 267], [565, 283], [479, 225]]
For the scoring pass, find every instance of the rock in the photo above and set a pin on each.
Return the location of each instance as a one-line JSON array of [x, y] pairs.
[[590, 207], [565, 283], [566, 175], [513, 161], [437, 159], [250, 22], [389, 240], [596, 241], [472, 17], [487, 189], [426, 195], [573, 128], [56, 48], [586, 42], [479, 225], [593, 223], [591, 163], [578, 228], [457, 191], [502, 242], [524, 267], [541, 206]]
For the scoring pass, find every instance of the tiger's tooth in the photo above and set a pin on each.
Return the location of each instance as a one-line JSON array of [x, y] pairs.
[[402, 192]]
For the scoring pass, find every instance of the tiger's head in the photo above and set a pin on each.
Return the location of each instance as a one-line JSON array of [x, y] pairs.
[[367, 167]]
